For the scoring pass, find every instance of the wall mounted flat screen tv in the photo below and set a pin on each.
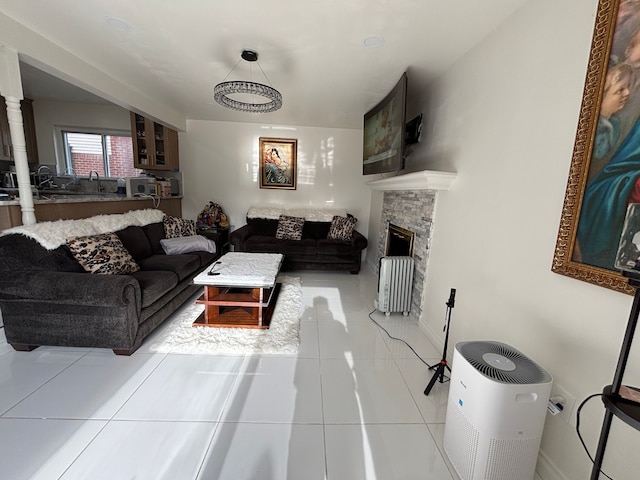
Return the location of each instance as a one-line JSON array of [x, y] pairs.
[[384, 132]]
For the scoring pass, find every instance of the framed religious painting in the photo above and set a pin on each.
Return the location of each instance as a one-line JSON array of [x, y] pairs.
[[604, 176], [278, 163]]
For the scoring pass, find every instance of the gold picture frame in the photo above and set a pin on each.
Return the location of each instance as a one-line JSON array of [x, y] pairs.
[[278, 163], [602, 170]]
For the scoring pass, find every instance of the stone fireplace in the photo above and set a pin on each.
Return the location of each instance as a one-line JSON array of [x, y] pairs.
[[399, 241], [409, 205]]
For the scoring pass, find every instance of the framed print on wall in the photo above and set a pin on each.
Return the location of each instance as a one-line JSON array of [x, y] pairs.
[[604, 176], [278, 163]]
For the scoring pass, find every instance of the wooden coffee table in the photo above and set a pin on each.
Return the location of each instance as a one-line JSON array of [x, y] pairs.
[[240, 290]]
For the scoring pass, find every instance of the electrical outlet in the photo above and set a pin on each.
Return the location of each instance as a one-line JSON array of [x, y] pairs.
[[568, 411]]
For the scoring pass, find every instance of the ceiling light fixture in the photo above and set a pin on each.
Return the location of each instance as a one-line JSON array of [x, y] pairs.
[[373, 41], [222, 91], [117, 24]]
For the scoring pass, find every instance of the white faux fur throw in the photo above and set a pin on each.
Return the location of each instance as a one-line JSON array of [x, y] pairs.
[[310, 214], [51, 235]]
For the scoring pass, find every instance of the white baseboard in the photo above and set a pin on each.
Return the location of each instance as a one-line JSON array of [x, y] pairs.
[[547, 470], [434, 338]]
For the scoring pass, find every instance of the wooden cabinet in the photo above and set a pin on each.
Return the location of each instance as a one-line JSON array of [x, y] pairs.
[[155, 146], [5, 135], [29, 130], [6, 152]]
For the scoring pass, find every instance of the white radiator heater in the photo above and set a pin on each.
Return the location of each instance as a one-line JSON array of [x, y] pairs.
[[395, 282], [495, 412]]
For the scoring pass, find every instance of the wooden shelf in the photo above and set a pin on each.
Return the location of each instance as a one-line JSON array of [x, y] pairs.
[[625, 410], [155, 146], [237, 307], [230, 296]]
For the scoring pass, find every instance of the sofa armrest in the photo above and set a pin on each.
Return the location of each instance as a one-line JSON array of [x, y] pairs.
[[239, 236], [358, 241], [71, 288]]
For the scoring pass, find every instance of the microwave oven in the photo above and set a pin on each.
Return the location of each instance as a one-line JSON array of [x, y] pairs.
[[137, 186]]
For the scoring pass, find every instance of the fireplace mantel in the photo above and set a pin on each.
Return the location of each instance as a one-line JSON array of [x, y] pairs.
[[424, 180]]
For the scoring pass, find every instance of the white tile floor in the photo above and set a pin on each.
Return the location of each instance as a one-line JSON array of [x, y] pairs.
[[349, 406]]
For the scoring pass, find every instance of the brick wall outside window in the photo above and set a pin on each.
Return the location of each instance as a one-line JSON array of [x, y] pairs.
[[120, 160]]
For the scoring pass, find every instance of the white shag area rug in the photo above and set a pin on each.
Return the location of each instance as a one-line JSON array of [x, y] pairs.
[[282, 337]]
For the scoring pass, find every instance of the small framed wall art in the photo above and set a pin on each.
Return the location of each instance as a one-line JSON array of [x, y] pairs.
[[278, 163]]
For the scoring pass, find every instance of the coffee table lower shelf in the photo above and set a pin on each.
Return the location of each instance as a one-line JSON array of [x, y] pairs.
[[237, 307]]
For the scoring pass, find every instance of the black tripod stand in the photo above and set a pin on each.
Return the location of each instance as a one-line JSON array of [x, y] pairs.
[[442, 366]]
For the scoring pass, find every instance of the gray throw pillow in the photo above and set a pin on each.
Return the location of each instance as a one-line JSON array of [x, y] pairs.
[[193, 243]]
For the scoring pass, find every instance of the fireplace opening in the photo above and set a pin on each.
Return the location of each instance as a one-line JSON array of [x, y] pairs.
[[399, 241]]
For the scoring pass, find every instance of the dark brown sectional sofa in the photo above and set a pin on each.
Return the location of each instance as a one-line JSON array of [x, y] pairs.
[[314, 251], [47, 298]]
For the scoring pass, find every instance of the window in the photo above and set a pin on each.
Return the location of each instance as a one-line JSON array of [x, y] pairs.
[[108, 153]]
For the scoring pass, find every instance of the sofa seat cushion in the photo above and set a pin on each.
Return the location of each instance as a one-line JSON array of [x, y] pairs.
[[182, 265], [262, 244], [333, 247], [154, 284], [299, 247], [205, 257]]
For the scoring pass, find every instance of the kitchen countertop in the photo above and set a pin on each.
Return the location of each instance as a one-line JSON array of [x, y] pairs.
[[80, 198]]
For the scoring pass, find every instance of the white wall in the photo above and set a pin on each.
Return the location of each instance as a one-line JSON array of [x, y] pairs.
[[219, 161], [49, 114], [504, 118]]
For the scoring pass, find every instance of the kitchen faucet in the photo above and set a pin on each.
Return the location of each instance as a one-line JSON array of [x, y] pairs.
[[99, 188], [44, 177]]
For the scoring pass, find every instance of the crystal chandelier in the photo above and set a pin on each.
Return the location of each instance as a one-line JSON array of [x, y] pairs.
[[222, 91]]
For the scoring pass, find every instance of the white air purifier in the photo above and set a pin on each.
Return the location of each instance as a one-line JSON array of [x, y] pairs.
[[495, 412]]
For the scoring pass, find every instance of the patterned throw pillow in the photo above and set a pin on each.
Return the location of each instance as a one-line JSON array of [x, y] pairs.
[[175, 227], [104, 254], [342, 227], [289, 228]]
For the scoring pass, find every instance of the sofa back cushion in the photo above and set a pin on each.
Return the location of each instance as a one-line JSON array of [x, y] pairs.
[[135, 241], [19, 252], [265, 227], [154, 233], [315, 230]]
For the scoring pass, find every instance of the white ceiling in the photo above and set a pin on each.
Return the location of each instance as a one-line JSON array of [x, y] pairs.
[[311, 51]]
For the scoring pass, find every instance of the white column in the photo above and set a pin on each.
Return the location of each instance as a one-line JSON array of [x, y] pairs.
[[11, 90]]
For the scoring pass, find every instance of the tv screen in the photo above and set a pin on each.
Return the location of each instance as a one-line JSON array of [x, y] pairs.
[[384, 132]]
